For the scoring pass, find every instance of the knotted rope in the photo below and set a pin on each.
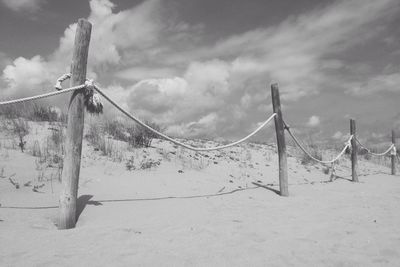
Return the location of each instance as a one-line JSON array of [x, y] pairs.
[[92, 99]]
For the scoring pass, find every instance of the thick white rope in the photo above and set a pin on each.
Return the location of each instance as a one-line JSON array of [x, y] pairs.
[[347, 144], [392, 149], [175, 141], [31, 98]]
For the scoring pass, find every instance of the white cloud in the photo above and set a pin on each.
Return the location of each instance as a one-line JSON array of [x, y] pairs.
[[203, 127], [179, 77], [199, 90], [144, 73], [245, 100], [26, 73], [313, 121], [338, 135], [24, 5], [379, 83], [111, 33], [295, 52]]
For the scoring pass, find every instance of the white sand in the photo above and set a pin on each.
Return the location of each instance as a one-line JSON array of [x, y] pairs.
[[320, 224]]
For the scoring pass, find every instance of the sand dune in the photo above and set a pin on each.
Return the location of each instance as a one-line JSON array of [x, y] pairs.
[[202, 210]]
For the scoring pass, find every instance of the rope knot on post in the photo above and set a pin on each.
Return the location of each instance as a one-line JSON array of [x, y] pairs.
[[286, 126], [348, 142], [93, 102]]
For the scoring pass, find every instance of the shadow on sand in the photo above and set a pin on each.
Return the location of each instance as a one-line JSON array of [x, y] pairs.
[[267, 187], [98, 202], [81, 203]]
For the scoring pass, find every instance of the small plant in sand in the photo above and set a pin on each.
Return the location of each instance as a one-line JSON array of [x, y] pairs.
[[314, 150], [191, 160], [117, 130], [144, 163], [149, 164], [44, 113], [2, 173], [11, 111], [130, 164], [107, 146], [135, 135], [326, 170], [140, 136], [20, 129], [364, 153]]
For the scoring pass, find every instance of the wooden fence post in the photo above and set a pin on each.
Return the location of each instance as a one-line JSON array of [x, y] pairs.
[[73, 145], [393, 156], [280, 138], [354, 164]]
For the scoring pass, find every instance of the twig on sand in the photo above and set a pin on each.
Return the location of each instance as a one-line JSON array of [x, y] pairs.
[[13, 182]]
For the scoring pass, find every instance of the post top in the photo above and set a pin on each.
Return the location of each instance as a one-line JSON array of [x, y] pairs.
[[274, 85], [84, 22]]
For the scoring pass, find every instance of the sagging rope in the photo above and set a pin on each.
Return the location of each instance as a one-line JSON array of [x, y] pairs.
[[391, 149], [175, 141], [347, 145]]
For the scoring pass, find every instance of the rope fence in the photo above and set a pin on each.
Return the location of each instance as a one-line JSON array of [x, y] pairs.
[[90, 93], [89, 85]]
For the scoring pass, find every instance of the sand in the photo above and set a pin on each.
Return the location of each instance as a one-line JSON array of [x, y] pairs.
[[202, 210]]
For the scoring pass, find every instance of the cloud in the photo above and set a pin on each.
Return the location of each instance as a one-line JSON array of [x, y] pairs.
[[379, 83], [110, 36], [25, 74], [313, 121], [144, 73], [171, 100], [112, 32], [338, 135], [203, 127], [24, 5], [178, 77]]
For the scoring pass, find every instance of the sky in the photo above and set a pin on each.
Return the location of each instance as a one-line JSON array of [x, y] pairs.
[[204, 68]]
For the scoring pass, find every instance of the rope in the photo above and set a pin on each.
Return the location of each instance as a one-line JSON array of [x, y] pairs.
[[64, 77], [92, 100], [347, 144], [175, 141], [391, 148], [31, 98]]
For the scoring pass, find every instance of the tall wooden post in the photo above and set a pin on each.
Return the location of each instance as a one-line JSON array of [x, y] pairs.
[[393, 155], [280, 138], [354, 164], [73, 146]]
